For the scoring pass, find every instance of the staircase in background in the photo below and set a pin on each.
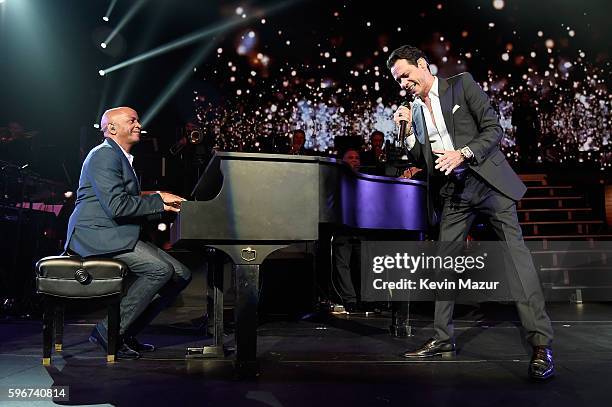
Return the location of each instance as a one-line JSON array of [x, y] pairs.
[[551, 216]]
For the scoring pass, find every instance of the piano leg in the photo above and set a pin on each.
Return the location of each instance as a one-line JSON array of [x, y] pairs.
[[215, 307], [247, 299], [400, 319]]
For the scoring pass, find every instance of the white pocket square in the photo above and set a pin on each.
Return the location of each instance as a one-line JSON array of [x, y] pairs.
[[455, 108]]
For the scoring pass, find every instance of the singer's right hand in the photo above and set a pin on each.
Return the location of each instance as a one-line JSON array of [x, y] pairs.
[[403, 113]]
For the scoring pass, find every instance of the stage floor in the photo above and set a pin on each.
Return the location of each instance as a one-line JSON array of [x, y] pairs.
[[326, 360]]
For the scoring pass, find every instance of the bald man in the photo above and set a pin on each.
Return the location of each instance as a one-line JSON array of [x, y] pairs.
[[106, 221]]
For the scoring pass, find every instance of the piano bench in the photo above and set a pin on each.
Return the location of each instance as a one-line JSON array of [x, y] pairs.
[[62, 278]]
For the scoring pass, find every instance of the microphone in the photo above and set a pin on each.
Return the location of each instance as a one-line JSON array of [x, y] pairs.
[[401, 134]]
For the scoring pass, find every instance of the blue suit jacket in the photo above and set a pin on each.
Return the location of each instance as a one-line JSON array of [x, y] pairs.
[[109, 208]]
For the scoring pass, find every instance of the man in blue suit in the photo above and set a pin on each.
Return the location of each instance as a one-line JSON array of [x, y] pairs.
[[106, 221], [455, 134]]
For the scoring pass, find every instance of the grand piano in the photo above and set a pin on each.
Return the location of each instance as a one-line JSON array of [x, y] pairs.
[[249, 205]]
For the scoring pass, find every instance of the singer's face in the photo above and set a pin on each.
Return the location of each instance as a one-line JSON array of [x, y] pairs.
[[414, 79]]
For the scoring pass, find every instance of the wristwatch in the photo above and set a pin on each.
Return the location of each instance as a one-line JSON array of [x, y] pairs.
[[466, 153]]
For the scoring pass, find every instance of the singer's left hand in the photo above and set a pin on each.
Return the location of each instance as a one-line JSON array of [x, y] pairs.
[[448, 160]]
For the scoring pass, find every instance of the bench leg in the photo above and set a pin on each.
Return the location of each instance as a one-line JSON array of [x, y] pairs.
[[59, 326], [48, 319], [113, 329]]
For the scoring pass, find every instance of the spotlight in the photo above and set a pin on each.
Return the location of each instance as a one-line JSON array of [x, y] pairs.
[[96, 126], [162, 227], [102, 72], [193, 37], [67, 194], [105, 18], [126, 18]]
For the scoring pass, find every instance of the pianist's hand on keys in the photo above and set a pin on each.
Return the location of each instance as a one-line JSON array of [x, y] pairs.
[[172, 203]]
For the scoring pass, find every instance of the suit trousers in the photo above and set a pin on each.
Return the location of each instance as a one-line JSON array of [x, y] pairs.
[[345, 250], [463, 200], [157, 277]]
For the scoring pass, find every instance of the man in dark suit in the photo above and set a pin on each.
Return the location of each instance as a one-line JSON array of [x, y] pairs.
[[455, 134], [106, 221]]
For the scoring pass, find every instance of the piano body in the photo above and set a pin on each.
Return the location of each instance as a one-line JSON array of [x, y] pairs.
[[248, 205]]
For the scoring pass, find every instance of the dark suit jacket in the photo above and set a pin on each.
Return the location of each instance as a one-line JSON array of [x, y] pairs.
[[109, 208], [474, 124]]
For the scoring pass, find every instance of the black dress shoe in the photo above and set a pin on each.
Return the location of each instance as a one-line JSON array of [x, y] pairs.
[[99, 335], [125, 352], [133, 343], [541, 366], [431, 348]]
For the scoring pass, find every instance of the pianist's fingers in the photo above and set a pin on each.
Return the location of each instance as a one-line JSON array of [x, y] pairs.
[[171, 208], [169, 198]]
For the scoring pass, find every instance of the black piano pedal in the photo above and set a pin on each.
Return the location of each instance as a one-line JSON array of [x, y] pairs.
[[400, 331], [206, 352], [400, 320]]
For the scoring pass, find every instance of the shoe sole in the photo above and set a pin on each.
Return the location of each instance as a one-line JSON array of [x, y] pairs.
[[540, 378]]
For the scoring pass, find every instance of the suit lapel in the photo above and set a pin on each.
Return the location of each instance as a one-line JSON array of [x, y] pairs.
[[446, 103]]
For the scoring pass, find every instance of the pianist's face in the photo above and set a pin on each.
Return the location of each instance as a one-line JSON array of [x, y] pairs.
[[126, 126]]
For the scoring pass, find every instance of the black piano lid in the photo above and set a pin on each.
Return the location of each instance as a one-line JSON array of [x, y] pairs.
[[202, 192]]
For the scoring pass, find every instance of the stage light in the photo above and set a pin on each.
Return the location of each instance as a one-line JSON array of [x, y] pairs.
[[498, 4], [96, 126], [126, 18], [68, 194], [176, 82], [162, 227], [110, 9], [194, 37], [103, 45], [102, 72]]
